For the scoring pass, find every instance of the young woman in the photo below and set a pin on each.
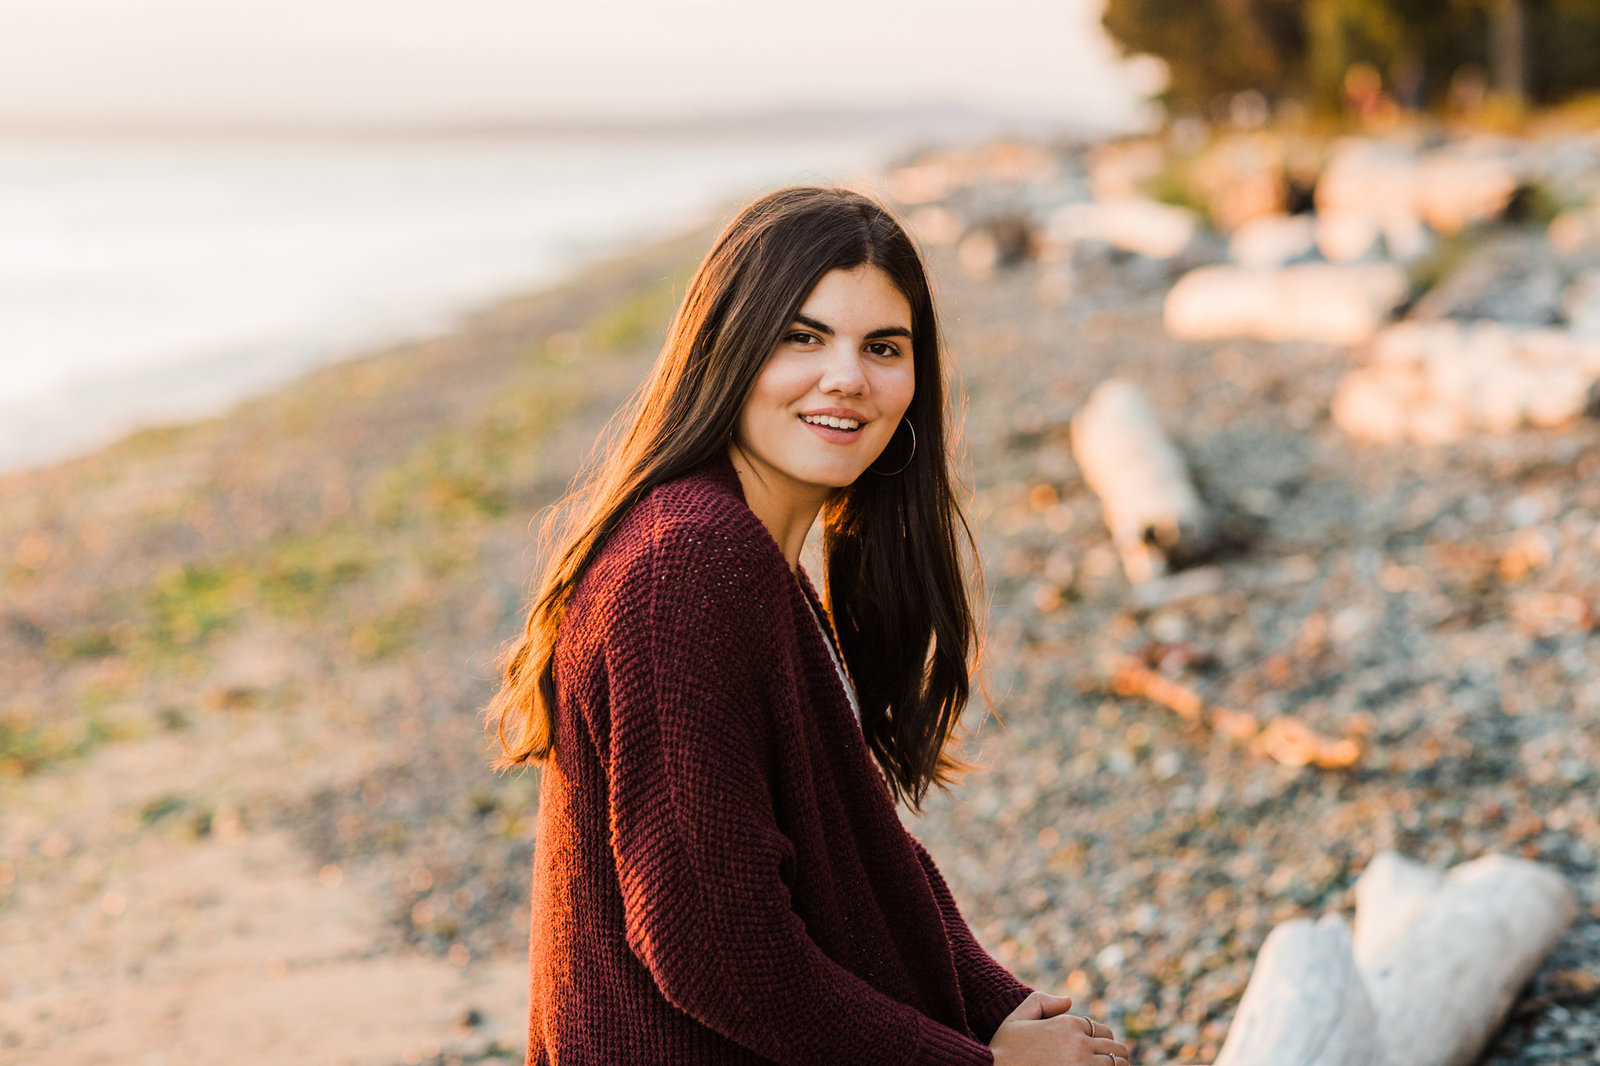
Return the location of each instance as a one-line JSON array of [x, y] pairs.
[[720, 875]]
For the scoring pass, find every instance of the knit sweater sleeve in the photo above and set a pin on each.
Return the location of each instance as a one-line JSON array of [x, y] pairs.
[[988, 989], [700, 857]]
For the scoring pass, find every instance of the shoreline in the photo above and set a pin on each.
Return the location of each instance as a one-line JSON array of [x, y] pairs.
[[612, 268], [237, 266]]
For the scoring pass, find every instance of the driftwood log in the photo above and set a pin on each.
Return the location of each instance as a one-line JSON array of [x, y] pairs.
[[1306, 1004], [1150, 503], [1445, 978], [1428, 976]]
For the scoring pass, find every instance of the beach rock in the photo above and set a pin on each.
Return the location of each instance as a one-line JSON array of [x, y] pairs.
[[1274, 240], [1367, 177], [1512, 278], [1435, 382], [1241, 178], [1371, 408], [1308, 301], [1460, 185], [1123, 169], [1581, 302], [1448, 188], [1142, 227], [935, 226], [1574, 234], [998, 243], [1347, 236]]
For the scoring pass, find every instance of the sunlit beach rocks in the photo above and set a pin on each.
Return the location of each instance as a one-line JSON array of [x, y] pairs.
[[1136, 225], [1434, 382], [1323, 302], [1448, 187]]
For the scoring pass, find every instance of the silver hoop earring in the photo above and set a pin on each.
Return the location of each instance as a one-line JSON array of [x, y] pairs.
[[902, 466]]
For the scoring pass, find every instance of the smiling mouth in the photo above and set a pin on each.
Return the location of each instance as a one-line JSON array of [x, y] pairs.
[[847, 425]]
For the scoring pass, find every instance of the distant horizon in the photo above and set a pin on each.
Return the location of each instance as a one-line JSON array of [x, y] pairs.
[[930, 119], [446, 65]]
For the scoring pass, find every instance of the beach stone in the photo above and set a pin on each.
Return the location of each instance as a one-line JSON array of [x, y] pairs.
[[936, 226], [1406, 238], [1323, 302], [1122, 169], [1347, 236], [1273, 240], [1369, 409], [1581, 303], [1436, 381], [998, 243], [1460, 185], [1140, 226], [1242, 177], [1574, 234], [1448, 188]]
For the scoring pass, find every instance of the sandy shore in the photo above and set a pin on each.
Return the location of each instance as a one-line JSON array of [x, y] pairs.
[[245, 810]]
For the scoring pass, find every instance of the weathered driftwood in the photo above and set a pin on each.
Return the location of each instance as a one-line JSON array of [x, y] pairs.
[[1306, 1004], [1327, 302], [1288, 740], [1390, 893], [1429, 975], [1444, 980], [1151, 506]]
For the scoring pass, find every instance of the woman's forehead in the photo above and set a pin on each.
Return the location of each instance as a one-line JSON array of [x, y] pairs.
[[858, 293]]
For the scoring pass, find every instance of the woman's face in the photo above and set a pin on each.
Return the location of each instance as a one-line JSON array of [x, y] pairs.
[[846, 359]]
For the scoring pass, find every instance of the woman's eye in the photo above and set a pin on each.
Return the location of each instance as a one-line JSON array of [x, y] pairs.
[[800, 337], [883, 348]]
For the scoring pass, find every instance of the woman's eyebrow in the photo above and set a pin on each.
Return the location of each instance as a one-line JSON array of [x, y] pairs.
[[821, 327]]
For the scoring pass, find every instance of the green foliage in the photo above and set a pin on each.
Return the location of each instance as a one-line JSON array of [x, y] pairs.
[[293, 575], [1445, 258], [28, 745], [92, 643], [161, 807], [1172, 185], [190, 602], [387, 633], [1216, 47], [1302, 49]]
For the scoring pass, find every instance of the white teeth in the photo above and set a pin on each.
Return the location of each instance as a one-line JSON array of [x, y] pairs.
[[829, 420]]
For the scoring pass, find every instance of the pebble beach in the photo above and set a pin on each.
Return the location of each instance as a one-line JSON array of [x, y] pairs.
[[244, 804]]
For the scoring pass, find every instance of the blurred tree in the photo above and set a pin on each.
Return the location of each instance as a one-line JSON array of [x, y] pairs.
[[1215, 48], [1533, 50]]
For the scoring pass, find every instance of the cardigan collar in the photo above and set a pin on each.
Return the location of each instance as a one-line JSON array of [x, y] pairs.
[[719, 470]]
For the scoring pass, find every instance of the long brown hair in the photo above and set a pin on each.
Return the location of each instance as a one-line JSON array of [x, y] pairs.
[[896, 582]]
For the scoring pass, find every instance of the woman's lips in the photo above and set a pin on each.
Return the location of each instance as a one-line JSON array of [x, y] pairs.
[[833, 436]]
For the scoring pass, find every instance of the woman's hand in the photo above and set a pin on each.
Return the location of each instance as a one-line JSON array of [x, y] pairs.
[[1040, 1032]]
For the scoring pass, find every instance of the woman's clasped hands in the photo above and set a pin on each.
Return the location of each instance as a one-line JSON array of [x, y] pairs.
[[1040, 1032]]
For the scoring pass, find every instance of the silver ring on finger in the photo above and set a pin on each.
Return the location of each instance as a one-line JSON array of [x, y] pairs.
[[1092, 1033]]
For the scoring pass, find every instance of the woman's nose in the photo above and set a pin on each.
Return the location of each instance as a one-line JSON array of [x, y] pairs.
[[842, 372]]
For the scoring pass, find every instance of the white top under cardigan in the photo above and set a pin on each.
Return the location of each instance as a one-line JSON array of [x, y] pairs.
[[849, 689]]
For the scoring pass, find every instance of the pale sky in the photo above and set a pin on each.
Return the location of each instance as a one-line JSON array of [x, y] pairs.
[[384, 62]]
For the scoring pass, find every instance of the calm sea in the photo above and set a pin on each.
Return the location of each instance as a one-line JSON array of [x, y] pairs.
[[148, 281]]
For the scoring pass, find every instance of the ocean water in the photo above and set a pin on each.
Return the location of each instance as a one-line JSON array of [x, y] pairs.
[[151, 281]]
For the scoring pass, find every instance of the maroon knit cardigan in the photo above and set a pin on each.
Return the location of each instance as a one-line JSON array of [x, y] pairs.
[[720, 874]]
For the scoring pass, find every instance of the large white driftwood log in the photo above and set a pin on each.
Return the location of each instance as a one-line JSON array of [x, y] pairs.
[[1390, 893], [1149, 502], [1306, 1004], [1444, 980], [1429, 975]]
